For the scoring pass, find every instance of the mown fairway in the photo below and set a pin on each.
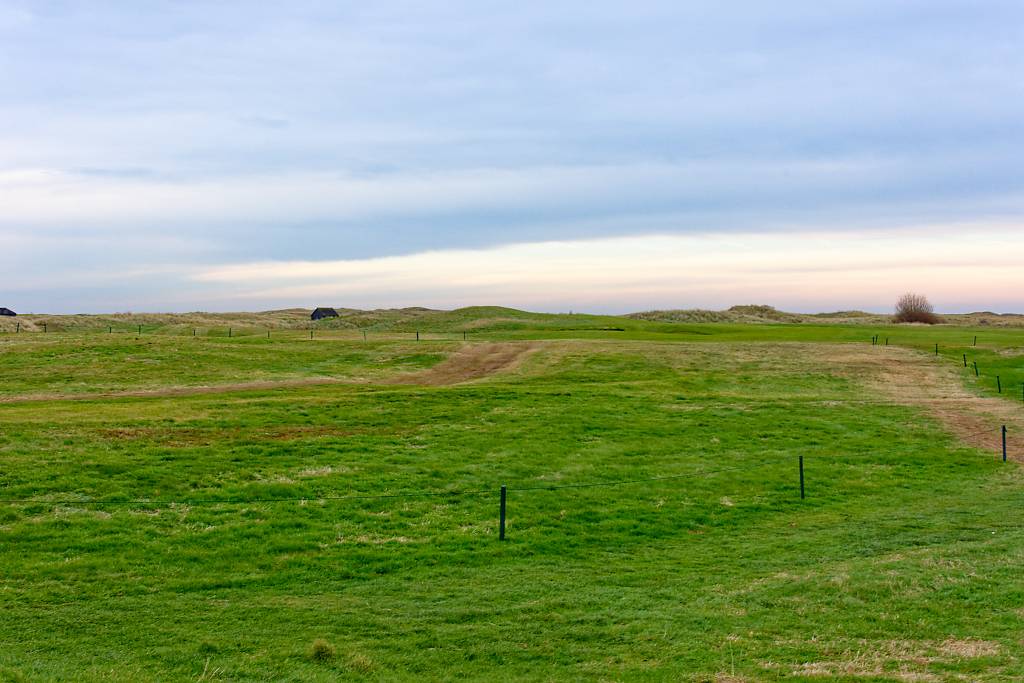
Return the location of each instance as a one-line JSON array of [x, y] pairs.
[[206, 530]]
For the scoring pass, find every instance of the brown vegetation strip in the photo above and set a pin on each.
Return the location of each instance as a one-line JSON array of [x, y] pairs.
[[472, 361], [175, 391], [887, 373], [918, 379], [209, 436]]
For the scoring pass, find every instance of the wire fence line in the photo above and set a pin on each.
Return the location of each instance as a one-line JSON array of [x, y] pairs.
[[818, 519], [453, 493], [409, 494], [978, 433], [251, 332], [164, 502], [1002, 444], [1009, 386]]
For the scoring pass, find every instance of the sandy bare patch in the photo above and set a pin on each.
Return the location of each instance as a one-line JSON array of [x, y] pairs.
[[472, 361], [377, 540], [918, 379], [904, 660], [968, 649], [324, 471]]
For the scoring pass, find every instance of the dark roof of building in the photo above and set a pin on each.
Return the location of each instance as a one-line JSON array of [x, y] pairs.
[[324, 312], [7, 311]]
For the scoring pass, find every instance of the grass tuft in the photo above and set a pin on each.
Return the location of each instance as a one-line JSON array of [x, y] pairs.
[[321, 651], [360, 663]]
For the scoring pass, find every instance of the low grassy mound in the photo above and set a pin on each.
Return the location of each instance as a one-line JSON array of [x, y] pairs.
[[474, 319], [758, 315]]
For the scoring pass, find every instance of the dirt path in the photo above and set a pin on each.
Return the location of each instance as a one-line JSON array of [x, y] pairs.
[[472, 361], [888, 373], [917, 379], [175, 391]]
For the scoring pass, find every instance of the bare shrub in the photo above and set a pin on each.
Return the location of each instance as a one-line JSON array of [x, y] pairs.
[[915, 308]]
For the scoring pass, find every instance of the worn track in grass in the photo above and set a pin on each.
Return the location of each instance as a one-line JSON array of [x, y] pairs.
[[890, 373], [472, 361], [917, 379]]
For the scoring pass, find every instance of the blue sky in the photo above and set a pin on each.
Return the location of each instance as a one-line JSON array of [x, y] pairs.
[[576, 155]]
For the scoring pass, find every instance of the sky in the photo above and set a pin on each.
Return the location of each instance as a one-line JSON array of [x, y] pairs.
[[589, 156]]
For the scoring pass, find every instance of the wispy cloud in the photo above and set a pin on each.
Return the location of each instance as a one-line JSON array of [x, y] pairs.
[[135, 138], [811, 271]]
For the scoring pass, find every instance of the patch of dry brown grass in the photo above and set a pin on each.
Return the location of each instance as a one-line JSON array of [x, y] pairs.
[[471, 361], [903, 660]]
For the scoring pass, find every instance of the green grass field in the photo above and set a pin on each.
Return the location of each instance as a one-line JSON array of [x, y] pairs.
[[207, 508]]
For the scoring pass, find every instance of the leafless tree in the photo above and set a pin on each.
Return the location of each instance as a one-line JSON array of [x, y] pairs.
[[915, 308]]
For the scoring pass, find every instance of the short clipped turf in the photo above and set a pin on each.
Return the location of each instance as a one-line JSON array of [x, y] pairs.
[[655, 525]]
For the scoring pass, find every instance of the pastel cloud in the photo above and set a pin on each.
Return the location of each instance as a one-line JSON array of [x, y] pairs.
[[188, 138], [809, 271]]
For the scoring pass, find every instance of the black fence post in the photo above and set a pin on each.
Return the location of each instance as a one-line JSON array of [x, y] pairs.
[[140, 329], [18, 328], [975, 340], [44, 328], [501, 514], [886, 341], [965, 360], [229, 333], [976, 369], [999, 384], [936, 349], [801, 477], [417, 335], [364, 335], [1004, 443]]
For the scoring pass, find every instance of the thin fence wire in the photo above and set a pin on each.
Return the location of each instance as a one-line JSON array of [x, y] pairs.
[[429, 494], [806, 524], [410, 494], [996, 431], [625, 482], [454, 493], [245, 501]]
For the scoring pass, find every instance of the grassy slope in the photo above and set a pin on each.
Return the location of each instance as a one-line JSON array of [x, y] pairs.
[[75, 364], [905, 553], [469, 319], [86, 356]]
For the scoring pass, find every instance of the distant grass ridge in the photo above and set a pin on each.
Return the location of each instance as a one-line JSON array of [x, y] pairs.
[[771, 315], [469, 319]]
